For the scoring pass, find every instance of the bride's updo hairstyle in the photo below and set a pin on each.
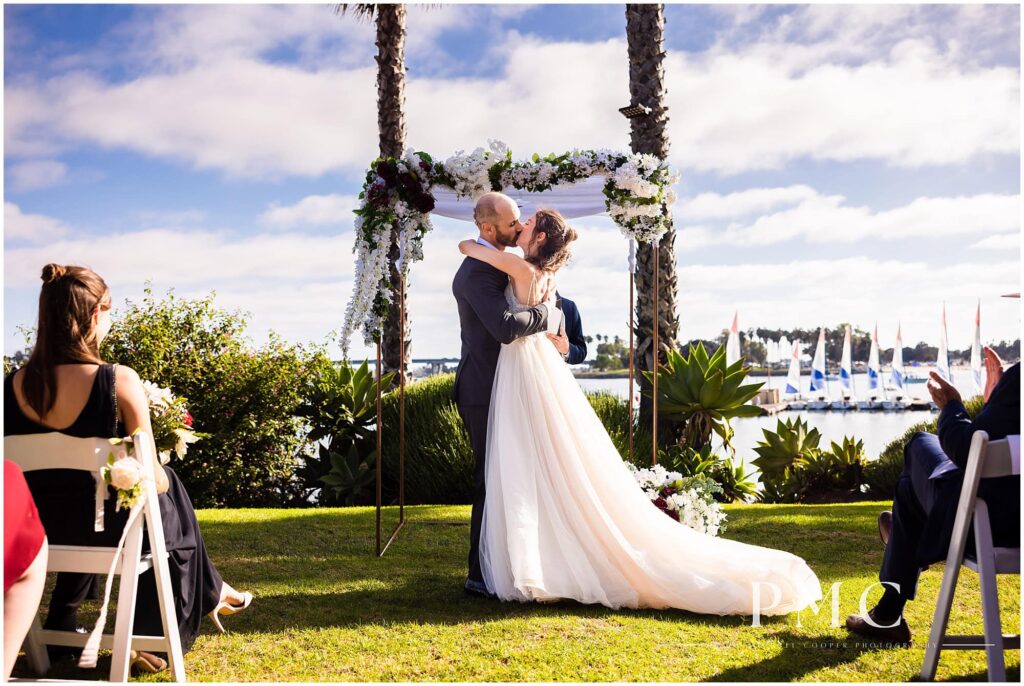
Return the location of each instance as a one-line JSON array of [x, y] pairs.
[[67, 301], [553, 253]]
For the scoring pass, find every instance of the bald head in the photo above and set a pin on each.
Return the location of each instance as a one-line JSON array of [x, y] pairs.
[[497, 217], [490, 205]]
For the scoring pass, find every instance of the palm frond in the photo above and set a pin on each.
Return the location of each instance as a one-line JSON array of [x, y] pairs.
[[361, 11]]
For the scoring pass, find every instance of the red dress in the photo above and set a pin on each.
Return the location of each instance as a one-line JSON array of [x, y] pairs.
[[23, 532]]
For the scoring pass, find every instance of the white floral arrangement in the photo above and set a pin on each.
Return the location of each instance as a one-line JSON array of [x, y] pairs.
[[124, 472], [171, 422], [396, 202], [688, 500]]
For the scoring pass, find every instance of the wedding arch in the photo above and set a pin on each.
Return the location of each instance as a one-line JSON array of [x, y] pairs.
[[399, 195]]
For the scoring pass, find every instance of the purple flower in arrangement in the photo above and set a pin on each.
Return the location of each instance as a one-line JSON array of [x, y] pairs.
[[423, 203], [387, 172], [409, 183], [424, 165], [673, 514], [660, 503]]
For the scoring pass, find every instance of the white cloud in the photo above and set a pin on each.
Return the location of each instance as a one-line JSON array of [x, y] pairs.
[[819, 218], [1002, 242], [36, 174], [313, 210], [31, 228], [186, 258], [732, 108], [711, 206]]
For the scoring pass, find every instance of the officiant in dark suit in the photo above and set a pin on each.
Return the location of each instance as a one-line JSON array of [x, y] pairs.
[[917, 531], [569, 341]]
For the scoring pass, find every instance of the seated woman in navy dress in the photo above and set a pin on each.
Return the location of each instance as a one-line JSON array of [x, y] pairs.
[[66, 387]]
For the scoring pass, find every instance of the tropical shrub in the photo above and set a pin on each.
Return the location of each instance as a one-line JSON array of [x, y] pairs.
[[245, 398], [794, 469], [704, 393], [881, 475], [340, 407], [733, 482]]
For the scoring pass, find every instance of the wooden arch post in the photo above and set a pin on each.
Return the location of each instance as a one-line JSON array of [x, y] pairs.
[[381, 549]]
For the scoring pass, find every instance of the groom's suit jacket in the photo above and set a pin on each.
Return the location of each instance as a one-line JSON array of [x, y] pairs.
[[573, 327], [486, 323], [1000, 417]]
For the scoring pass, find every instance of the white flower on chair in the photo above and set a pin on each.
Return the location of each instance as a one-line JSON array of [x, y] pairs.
[[125, 473]]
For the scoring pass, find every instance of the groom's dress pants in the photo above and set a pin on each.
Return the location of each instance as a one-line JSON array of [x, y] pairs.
[[475, 419], [916, 494]]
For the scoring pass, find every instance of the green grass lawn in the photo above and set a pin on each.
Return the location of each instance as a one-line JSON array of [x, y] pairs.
[[327, 609]]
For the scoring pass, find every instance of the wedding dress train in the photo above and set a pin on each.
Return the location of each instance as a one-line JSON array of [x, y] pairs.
[[565, 518]]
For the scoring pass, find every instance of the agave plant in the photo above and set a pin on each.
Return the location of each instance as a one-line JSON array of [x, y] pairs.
[[704, 393], [794, 469], [735, 481], [791, 444], [340, 408], [350, 474]]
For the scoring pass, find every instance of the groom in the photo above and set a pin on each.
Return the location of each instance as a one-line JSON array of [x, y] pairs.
[[486, 323]]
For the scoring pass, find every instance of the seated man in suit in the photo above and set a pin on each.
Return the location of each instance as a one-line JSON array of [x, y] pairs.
[[918, 530], [569, 341]]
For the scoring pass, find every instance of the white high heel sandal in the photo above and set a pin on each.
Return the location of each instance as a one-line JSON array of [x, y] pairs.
[[226, 608]]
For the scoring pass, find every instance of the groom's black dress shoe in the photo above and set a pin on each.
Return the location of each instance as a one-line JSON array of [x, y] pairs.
[[898, 635], [478, 588]]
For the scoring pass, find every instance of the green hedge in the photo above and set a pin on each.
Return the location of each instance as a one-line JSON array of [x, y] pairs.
[[245, 397], [438, 457], [882, 474]]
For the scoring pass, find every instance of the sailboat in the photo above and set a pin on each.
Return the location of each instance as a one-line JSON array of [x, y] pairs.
[[976, 363], [942, 365], [732, 346], [819, 384], [875, 383], [794, 399], [899, 375], [846, 378]]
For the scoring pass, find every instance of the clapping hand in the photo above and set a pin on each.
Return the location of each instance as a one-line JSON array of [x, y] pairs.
[[993, 369], [941, 390]]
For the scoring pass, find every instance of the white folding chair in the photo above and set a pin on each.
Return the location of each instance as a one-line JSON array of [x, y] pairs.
[[986, 460], [59, 451]]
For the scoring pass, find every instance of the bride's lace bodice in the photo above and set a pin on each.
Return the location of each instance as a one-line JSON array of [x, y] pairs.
[[513, 303]]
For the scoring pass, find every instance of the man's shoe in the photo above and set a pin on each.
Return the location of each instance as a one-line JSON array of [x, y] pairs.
[[57, 653], [885, 526], [898, 635], [478, 588]]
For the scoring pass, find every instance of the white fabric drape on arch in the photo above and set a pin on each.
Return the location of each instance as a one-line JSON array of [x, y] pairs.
[[581, 199]]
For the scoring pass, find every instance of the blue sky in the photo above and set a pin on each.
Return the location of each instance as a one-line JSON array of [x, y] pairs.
[[840, 163]]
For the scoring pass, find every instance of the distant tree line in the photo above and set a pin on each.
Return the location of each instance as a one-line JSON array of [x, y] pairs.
[[613, 353]]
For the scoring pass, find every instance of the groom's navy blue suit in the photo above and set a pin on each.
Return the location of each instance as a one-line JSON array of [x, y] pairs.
[[928, 490], [486, 323], [573, 330]]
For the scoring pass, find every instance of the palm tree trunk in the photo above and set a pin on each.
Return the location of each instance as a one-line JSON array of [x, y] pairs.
[[391, 31], [645, 29]]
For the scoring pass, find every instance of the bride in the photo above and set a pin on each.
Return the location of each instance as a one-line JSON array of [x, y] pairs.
[[564, 517]]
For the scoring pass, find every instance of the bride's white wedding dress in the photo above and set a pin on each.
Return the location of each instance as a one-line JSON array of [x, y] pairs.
[[565, 518]]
